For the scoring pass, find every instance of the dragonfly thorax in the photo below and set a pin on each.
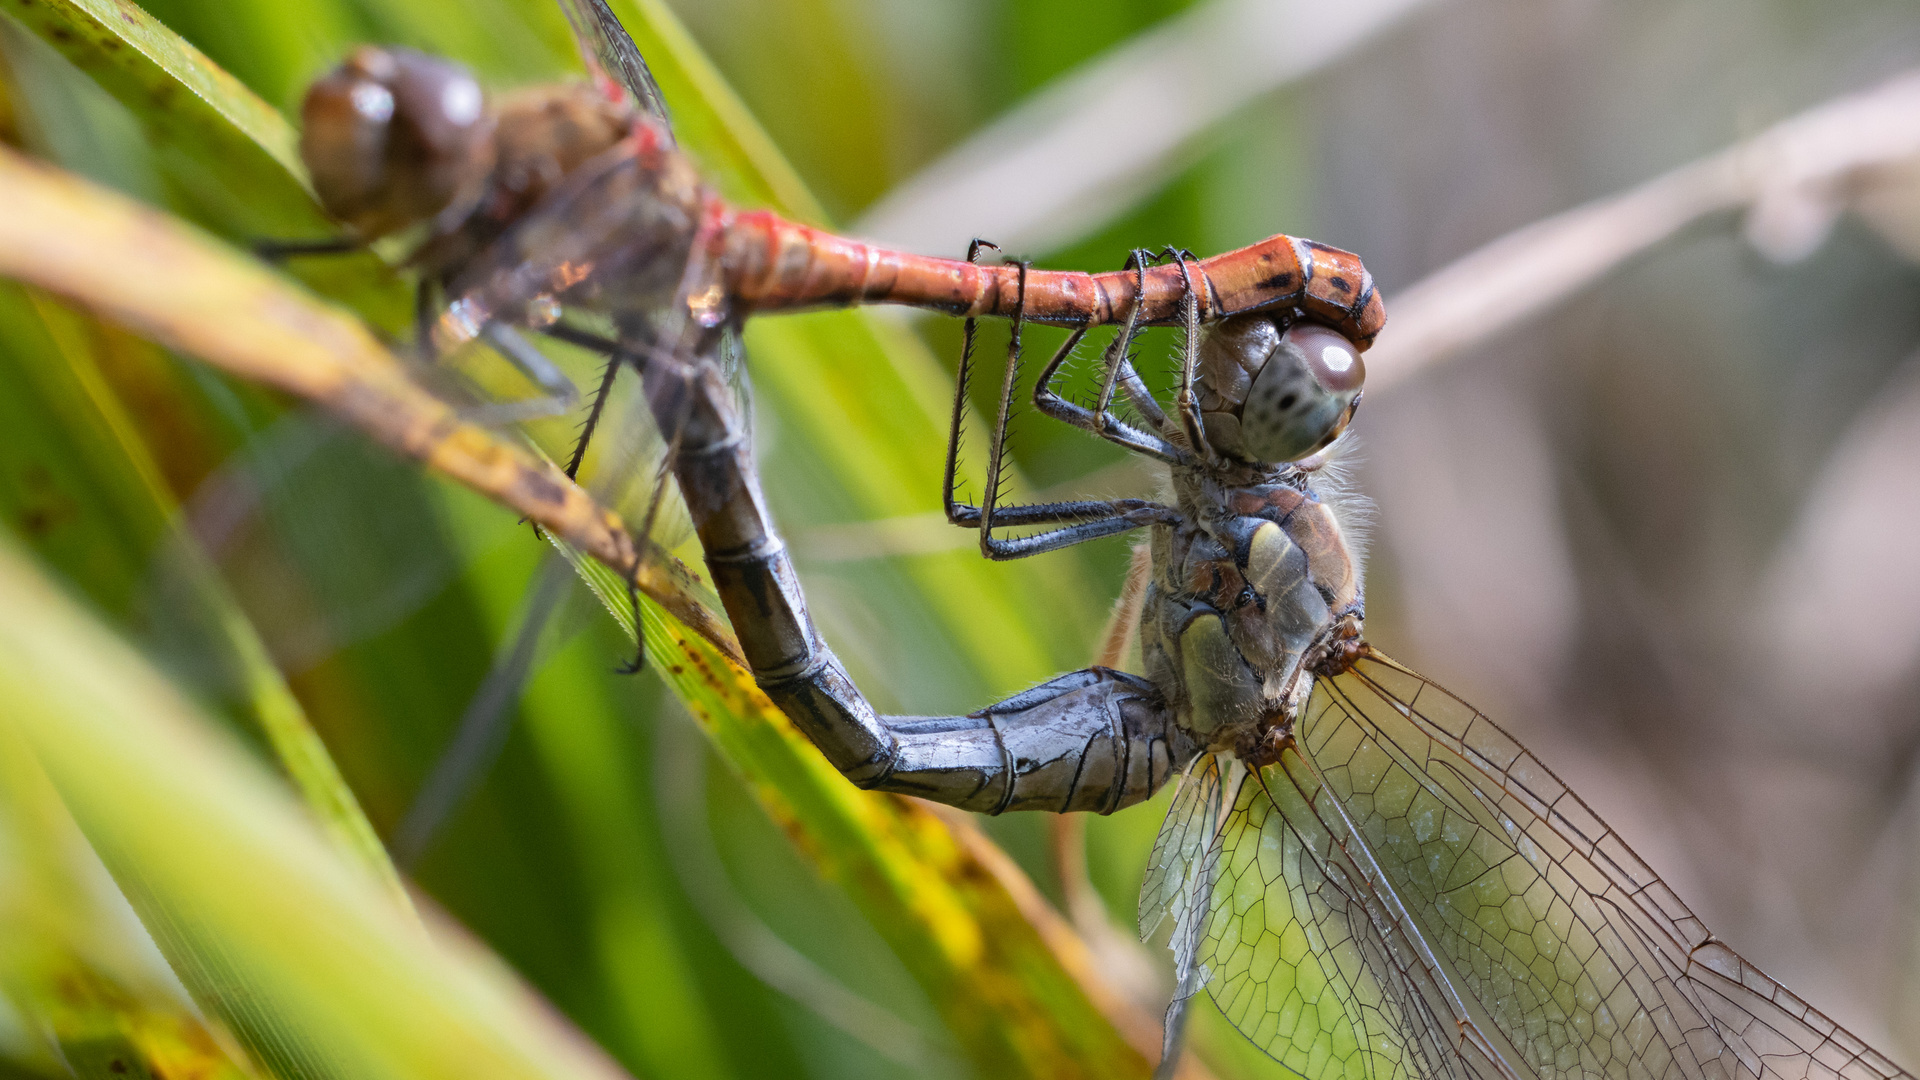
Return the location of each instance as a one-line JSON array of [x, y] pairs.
[[1242, 601], [1270, 392]]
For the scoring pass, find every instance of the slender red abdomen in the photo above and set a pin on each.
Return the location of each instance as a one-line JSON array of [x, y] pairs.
[[774, 264]]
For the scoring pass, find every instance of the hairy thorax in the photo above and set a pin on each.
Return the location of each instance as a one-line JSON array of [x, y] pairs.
[[1240, 597], [541, 136]]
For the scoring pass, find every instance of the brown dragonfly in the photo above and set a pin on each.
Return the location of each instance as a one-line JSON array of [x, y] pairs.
[[1370, 878]]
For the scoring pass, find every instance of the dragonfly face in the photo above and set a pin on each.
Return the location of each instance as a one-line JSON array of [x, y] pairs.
[[1257, 572], [395, 138], [392, 137]]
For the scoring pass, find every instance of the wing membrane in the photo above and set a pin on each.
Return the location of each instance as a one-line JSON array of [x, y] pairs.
[[1457, 886], [610, 54], [1182, 852], [1303, 955]]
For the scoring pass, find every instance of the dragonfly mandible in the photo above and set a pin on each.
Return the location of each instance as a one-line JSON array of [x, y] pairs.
[[1369, 876]]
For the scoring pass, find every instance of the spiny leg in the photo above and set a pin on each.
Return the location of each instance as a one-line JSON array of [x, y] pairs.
[[1118, 369], [997, 445], [639, 662], [617, 354], [1092, 518], [1184, 400], [1116, 359], [1112, 428], [962, 377], [594, 410]]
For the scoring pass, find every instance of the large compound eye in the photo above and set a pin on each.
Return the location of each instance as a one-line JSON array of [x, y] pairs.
[[391, 136], [1302, 398]]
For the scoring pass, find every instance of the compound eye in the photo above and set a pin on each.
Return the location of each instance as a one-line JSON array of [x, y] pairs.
[[1334, 360], [1303, 396], [391, 136]]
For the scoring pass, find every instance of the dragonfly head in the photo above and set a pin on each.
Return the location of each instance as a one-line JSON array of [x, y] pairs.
[[392, 136], [1271, 392]]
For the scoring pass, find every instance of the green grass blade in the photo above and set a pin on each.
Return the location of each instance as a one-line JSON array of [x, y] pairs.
[[310, 963], [174, 88], [83, 987], [103, 510]]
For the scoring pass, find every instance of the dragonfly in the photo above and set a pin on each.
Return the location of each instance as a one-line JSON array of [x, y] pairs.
[[1369, 876]]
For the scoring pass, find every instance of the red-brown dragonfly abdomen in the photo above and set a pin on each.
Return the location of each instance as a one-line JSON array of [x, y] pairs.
[[774, 264]]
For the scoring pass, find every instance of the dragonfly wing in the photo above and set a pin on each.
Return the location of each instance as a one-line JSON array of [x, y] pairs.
[[1181, 853], [610, 54], [1562, 953], [1302, 955], [1179, 885], [615, 235]]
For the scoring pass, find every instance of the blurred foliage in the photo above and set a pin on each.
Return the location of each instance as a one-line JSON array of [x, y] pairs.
[[280, 572]]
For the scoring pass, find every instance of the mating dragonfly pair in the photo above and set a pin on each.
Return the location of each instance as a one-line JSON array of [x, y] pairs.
[[1369, 876]]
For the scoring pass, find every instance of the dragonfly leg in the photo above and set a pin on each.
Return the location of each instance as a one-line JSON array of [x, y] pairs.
[[1092, 740], [639, 662], [1089, 519], [275, 251], [1118, 365], [615, 355], [560, 392], [1108, 427], [594, 411], [957, 427], [1102, 423], [1184, 400]]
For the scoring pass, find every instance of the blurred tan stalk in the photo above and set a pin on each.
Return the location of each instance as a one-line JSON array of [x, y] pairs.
[[1793, 180]]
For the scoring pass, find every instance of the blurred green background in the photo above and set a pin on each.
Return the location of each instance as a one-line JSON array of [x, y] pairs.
[[1663, 533]]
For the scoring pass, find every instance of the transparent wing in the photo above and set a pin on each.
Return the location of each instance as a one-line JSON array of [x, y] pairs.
[[1185, 845], [609, 53], [1304, 957], [1557, 951]]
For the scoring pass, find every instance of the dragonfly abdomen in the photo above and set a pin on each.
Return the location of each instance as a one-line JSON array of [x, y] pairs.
[[1093, 740], [773, 264]]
